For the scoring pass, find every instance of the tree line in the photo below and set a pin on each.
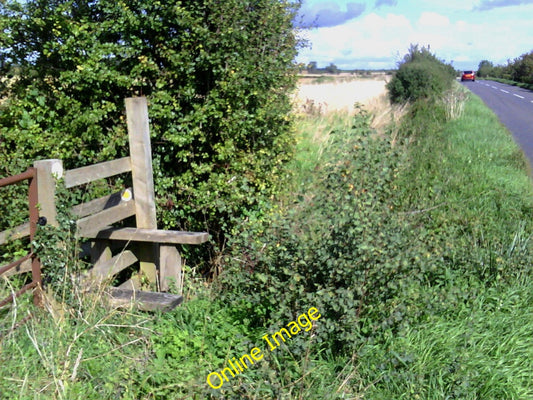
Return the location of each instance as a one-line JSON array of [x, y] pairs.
[[519, 70]]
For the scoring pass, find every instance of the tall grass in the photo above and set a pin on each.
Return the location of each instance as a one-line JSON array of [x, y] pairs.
[[312, 135], [483, 350], [466, 190]]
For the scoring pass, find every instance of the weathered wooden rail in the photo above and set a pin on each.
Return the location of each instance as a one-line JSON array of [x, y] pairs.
[[154, 250]]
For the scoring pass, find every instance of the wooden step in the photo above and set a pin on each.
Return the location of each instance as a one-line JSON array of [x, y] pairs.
[[113, 266], [150, 235], [146, 301]]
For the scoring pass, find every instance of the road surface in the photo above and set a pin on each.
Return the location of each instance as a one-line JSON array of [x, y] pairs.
[[514, 108]]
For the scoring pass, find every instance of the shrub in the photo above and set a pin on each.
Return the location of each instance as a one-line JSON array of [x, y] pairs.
[[421, 75], [522, 68], [485, 69]]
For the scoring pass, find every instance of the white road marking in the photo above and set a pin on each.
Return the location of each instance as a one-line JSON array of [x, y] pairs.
[[514, 94], [504, 91], [494, 87]]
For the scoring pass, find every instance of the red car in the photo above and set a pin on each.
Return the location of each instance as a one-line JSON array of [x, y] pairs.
[[468, 76]]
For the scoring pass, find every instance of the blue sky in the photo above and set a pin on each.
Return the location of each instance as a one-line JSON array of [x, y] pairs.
[[376, 34]]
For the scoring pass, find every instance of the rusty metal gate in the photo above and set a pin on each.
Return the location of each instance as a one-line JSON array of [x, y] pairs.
[[31, 175]]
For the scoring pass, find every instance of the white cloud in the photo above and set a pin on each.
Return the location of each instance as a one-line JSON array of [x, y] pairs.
[[371, 37], [377, 39], [432, 19]]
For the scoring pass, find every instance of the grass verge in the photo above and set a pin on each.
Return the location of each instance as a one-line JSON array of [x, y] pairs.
[[510, 82], [467, 192]]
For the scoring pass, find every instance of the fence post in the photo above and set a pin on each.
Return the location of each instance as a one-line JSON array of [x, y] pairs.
[[143, 181], [47, 173]]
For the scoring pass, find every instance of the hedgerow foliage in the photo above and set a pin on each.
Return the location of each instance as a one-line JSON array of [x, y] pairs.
[[421, 75], [217, 74], [519, 70]]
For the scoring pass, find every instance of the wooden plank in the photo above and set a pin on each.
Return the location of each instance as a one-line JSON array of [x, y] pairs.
[[100, 252], [131, 284], [88, 226], [113, 266], [170, 269], [143, 180], [141, 161], [24, 267], [97, 205], [47, 173], [146, 301], [93, 172], [151, 235], [17, 232]]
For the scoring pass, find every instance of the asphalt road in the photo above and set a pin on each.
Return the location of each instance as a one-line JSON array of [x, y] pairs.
[[514, 108]]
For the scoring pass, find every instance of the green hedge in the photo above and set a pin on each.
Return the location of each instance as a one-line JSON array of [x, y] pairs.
[[217, 75], [421, 75]]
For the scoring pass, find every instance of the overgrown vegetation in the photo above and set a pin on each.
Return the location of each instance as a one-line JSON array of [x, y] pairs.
[[414, 247], [417, 254]]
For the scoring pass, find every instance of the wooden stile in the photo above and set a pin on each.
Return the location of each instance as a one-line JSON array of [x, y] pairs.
[[154, 249], [79, 176], [143, 181]]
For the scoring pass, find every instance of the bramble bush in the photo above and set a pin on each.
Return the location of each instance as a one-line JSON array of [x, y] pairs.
[[341, 248]]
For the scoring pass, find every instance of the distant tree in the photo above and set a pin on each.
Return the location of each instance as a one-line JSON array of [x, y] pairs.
[[421, 75], [312, 67], [332, 69], [485, 68], [522, 68]]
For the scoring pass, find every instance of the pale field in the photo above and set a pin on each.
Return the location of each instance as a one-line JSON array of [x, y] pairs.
[[338, 96], [342, 94]]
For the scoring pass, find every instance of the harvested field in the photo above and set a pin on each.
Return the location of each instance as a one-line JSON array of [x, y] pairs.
[[341, 95]]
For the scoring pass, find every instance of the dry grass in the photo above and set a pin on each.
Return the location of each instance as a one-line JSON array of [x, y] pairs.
[[386, 116], [332, 99]]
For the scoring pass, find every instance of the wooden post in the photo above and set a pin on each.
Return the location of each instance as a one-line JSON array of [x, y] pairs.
[[47, 173], [143, 181], [100, 252], [170, 268]]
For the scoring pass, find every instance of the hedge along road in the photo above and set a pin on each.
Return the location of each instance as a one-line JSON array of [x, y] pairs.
[[514, 108]]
